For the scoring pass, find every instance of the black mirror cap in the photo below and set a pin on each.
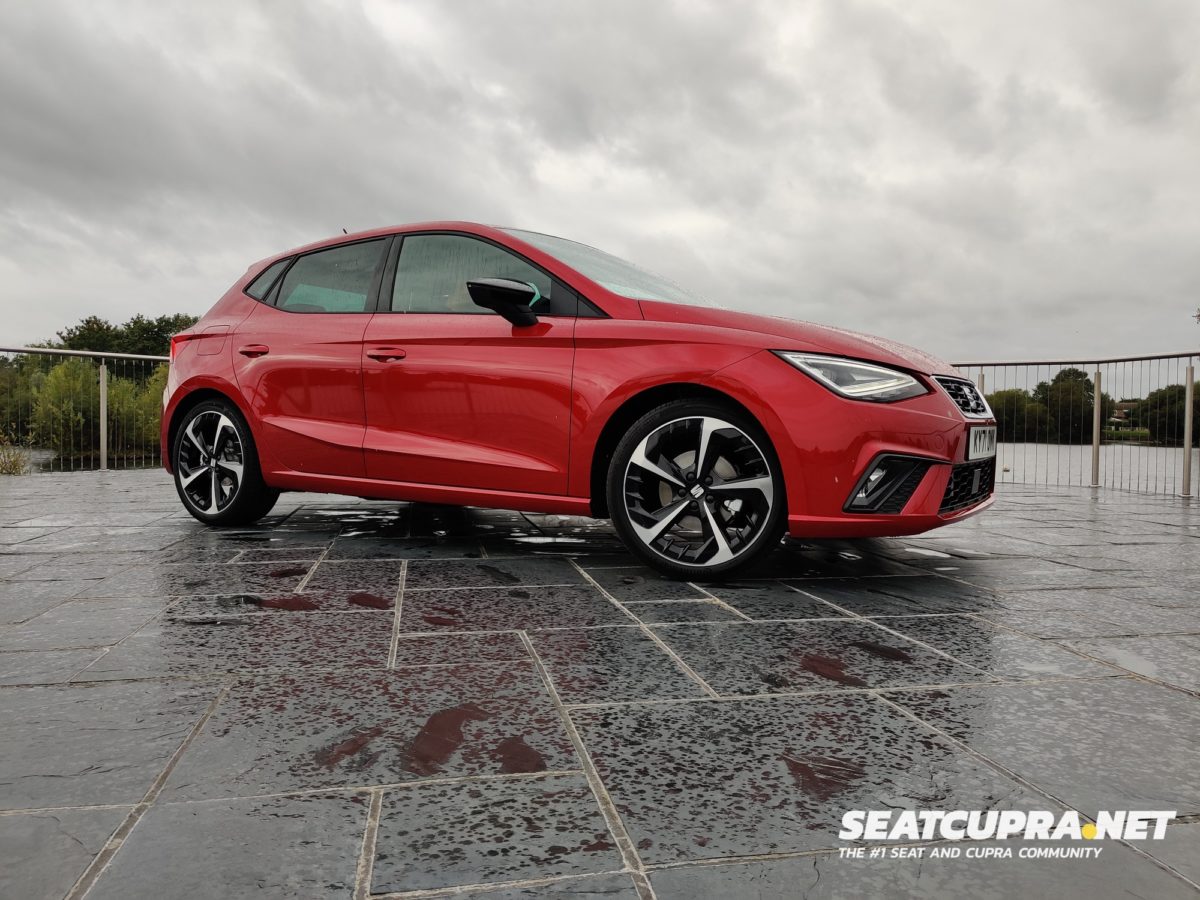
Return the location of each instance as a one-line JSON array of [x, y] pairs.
[[507, 297]]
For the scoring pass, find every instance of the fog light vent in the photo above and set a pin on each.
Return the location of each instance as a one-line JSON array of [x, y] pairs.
[[888, 484]]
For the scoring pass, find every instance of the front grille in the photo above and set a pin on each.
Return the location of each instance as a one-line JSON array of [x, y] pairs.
[[969, 484], [965, 396]]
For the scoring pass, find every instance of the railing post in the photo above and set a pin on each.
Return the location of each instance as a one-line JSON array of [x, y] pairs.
[[1189, 392], [982, 383], [103, 415], [1097, 424]]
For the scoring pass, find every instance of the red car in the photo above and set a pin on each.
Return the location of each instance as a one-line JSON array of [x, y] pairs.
[[457, 363]]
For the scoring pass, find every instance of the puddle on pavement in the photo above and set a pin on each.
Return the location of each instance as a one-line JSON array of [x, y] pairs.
[[293, 603], [514, 755], [439, 737], [828, 667], [821, 776], [369, 601], [289, 572], [883, 651]]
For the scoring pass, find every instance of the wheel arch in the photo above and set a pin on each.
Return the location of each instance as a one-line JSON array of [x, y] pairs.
[[632, 409], [190, 401]]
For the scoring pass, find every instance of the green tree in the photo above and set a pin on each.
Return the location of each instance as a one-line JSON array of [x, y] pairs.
[[152, 337], [149, 337], [66, 408], [92, 333], [1162, 413], [1069, 401], [1019, 418]]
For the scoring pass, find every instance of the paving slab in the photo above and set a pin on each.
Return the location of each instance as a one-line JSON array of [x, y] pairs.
[[44, 853], [1083, 741], [305, 846], [607, 665], [342, 730], [448, 835], [712, 779], [84, 745], [354, 698], [1117, 872], [743, 658]]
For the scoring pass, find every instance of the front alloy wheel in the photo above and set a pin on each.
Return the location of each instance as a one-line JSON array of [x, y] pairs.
[[700, 494]]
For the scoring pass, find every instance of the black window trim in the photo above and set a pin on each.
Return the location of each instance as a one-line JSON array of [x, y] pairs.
[[584, 308], [267, 293], [271, 298]]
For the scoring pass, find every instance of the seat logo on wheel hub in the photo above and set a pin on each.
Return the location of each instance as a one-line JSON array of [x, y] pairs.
[[697, 491]]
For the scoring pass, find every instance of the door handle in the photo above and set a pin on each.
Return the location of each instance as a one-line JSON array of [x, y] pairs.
[[253, 350], [386, 354]]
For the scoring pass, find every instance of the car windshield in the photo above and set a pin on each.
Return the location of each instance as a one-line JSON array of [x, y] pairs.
[[609, 271]]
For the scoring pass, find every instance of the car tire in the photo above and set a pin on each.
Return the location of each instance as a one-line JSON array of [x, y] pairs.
[[224, 487], [696, 491]]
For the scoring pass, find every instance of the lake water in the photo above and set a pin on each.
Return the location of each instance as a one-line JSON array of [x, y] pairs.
[[1152, 469]]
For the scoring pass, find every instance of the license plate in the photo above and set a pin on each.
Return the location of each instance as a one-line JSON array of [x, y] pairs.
[[983, 443]]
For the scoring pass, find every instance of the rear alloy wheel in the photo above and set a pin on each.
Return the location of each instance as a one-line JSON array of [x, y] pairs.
[[216, 467], [696, 491]]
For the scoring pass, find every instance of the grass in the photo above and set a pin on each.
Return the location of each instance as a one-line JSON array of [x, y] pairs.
[[1125, 435]]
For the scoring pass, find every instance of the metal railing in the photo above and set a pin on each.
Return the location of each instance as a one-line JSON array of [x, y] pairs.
[[64, 410], [1127, 423]]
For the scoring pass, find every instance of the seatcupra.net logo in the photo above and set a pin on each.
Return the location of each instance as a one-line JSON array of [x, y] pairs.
[[1012, 825]]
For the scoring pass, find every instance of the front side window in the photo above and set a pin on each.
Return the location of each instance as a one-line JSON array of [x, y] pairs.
[[433, 271], [337, 280], [611, 272]]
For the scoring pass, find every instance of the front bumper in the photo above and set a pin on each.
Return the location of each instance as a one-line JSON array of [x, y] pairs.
[[827, 443], [926, 509]]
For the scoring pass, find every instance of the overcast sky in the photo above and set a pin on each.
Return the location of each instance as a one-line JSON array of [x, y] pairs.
[[981, 179]]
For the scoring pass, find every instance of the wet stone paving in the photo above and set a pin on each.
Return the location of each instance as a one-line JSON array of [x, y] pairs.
[[364, 699]]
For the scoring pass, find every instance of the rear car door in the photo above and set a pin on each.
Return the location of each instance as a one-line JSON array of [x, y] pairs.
[[455, 394], [298, 358]]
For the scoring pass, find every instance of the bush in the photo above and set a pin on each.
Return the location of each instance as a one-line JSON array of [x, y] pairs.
[[66, 409], [66, 412], [13, 460], [1125, 435]]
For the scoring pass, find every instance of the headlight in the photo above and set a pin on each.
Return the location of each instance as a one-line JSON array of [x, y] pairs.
[[856, 380]]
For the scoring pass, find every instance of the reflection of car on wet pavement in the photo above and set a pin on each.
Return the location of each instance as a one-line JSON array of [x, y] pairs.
[[468, 365]]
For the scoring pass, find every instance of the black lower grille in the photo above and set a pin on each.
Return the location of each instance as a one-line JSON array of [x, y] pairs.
[[896, 500], [969, 484]]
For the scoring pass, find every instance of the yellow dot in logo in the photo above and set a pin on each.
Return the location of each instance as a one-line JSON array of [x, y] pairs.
[[1088, 831]]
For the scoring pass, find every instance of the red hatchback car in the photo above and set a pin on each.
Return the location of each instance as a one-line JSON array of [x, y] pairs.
[[457, 363]]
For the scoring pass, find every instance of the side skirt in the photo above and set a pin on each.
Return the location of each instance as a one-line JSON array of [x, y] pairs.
[[429, 493]]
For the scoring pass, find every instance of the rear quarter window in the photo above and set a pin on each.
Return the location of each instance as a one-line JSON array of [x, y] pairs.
[[261, 286]]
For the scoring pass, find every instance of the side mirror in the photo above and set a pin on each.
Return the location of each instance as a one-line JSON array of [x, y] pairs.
[[509, 298]]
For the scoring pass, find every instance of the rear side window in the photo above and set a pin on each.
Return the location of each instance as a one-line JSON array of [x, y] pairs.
[[434, 269], [261, 286], [337, 280]]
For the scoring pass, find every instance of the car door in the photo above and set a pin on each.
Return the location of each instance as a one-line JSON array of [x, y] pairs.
[[298, 359], [455, 394]]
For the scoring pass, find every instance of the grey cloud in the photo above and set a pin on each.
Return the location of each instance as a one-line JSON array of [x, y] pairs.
[[985, 179]]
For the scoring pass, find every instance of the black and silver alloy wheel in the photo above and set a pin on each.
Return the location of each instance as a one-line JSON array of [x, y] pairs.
[[211, 461], [216, 467], [699, 493]]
